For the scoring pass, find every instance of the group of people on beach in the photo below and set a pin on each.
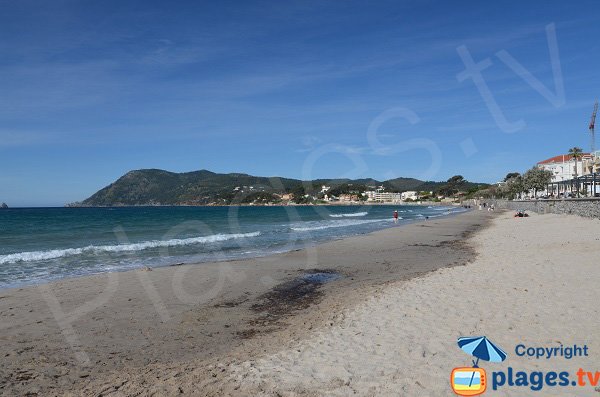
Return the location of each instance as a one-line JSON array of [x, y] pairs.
[[490, 207]]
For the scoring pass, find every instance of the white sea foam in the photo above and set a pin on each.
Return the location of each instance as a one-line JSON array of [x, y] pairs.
[[320, 225], [60, 253], [351, 214]]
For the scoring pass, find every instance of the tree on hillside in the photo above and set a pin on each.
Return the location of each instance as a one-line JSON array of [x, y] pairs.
[[298, 194], [456, 179], [511, 175], [536, 179], [347, 189], [452, 185], [259, 198], [576, 153]]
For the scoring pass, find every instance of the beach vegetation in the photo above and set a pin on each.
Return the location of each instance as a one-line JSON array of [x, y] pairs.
[[513, 188], [536, 179], [511, 175], [576, 153]]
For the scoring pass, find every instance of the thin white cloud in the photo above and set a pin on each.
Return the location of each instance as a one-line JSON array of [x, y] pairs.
[[11, 138]]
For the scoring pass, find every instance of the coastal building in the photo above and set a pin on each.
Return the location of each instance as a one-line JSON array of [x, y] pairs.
[[349, 197], [410, 195], [563, 166], [383, 197], [592, 164]]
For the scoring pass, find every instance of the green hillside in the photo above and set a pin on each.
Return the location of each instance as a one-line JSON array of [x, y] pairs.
[[159, 187]]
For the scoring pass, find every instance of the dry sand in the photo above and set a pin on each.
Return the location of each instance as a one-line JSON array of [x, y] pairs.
[[393, 333], [535, 281]]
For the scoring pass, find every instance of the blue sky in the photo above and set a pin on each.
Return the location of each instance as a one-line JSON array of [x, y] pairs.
[[91, 90]]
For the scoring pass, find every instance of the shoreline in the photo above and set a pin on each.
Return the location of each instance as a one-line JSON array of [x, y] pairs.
[[173, 314], [342, 204], [181, 261]]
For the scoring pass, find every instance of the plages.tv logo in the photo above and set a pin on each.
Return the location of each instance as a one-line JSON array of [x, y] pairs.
[[472, 381]]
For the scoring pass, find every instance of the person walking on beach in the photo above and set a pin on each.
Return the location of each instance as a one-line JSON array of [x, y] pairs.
[[396, 216]]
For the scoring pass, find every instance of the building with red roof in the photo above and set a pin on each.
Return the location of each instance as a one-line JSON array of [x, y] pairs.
[[563, 166]]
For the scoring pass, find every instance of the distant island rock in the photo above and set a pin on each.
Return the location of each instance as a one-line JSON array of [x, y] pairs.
[[155, 187], [3, 206]]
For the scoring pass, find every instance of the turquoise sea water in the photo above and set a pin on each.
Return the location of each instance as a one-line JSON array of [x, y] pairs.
[[41, 244]]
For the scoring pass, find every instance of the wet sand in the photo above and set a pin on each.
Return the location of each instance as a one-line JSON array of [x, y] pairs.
[[121, 333]]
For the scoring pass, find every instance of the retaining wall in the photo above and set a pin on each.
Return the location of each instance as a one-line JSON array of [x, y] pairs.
[[589, 208]]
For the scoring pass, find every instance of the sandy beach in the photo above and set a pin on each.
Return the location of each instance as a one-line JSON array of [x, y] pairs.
[[388, 326], [79, 332], [534, 282], [299, 199]]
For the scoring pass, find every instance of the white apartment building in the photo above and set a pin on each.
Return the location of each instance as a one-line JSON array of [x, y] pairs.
[[381, 196], [563, 166], [409, 195], [388, 197]]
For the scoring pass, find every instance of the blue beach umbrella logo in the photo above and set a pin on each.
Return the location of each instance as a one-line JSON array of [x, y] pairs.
[[471, 381], [481, 348]]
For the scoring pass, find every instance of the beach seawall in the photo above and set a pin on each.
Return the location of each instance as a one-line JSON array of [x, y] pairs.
[[588, 208]]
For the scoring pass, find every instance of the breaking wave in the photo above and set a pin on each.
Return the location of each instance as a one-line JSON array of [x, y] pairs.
[[351, 214], [320, 225], [60, 253]]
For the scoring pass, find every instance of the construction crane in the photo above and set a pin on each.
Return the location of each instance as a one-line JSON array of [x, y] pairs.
[[593, 127]]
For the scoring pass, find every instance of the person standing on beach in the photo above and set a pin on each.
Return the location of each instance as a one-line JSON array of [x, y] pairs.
[[396, 216]]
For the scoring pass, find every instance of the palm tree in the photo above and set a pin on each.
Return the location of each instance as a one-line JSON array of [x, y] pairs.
[[576, 153]]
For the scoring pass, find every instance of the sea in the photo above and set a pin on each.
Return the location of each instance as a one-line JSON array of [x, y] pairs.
[[42, 244]]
